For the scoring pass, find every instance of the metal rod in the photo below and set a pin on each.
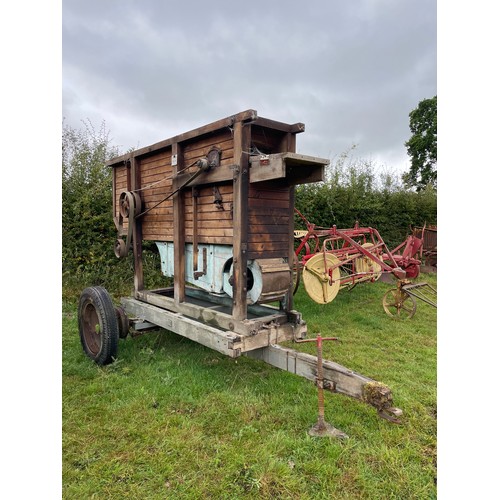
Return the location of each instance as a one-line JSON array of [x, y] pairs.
[[320, 383], [411, 289], [322, 428]]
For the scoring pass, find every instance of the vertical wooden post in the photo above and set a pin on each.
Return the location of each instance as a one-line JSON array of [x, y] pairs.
[[240, 219], [288, 145], [291, 249], [113, 190], [135, 181], [179, 229]]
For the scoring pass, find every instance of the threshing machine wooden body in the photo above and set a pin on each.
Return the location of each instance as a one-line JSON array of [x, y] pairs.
[[219, 203]]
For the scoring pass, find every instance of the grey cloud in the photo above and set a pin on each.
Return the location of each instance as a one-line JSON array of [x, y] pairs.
[[352, 71]]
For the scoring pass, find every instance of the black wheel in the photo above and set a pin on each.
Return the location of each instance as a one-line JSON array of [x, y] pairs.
[[98, 325]]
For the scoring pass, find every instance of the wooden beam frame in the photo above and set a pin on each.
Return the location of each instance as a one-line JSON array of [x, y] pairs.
[[135, 181], [336, 378], [216, 312], [200, 325], [202, 333], [179, 230], [244, 116], [264, 346], [288, 145], [241, 133], [295, 128]]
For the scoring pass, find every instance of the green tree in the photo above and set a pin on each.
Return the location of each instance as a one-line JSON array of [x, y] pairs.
[[88, 230], [87, 223], [422, 145]]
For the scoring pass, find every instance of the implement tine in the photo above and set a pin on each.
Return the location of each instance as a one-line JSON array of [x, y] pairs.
[[411, 289]]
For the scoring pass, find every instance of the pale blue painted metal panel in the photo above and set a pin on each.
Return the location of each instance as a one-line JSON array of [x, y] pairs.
[[217, 257]]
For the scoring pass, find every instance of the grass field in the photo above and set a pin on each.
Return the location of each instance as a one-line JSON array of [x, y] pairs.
[[173, 419]]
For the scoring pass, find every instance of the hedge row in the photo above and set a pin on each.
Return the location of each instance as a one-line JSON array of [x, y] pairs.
[[354, 192]]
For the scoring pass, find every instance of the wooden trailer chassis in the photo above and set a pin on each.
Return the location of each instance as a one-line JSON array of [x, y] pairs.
[[209, 318], [250, 167], [261, 342]]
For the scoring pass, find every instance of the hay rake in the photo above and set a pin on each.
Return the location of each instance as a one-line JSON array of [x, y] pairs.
[[331, 259]]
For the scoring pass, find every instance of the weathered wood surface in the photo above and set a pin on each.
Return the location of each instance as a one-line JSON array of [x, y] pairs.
[[305, 365], [293, 168], [186, 200], [216, 311], [336, 378], [208, 321], [211, 337], [179, 230], [264, 346], [210, 128], [135, 180], [240, 219], [158, 177]]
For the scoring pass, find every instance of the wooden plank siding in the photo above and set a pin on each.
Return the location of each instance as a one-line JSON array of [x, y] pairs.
[[269, 212], [196, 149], [268, 209], [268, 221], [157, 174]]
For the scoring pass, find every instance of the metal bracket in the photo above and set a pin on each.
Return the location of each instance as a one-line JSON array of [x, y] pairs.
[[198, 274], [214, 156], [218, 198]]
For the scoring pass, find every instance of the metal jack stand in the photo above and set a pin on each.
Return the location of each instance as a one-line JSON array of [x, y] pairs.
[[322, 428]]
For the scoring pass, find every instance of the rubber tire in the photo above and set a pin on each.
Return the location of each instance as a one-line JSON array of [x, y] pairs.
[[96, 305]]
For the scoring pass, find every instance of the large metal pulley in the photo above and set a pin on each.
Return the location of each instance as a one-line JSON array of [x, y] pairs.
[[129, 206]]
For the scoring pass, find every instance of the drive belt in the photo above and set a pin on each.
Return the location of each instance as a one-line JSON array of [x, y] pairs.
[[130, 206]]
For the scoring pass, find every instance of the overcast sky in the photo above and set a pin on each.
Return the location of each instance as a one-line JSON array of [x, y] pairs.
[[350, 70]]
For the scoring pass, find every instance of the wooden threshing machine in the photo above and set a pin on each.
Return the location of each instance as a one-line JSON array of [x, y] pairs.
[[219, 203]]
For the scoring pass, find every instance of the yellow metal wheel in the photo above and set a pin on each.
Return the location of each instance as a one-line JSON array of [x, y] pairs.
[[398, 304], [366, 265], [322, 277]]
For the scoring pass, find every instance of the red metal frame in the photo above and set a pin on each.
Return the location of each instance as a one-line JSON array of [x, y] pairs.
[[347, 246]]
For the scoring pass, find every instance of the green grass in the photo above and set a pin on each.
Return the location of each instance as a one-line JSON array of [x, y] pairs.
[[173, 419]]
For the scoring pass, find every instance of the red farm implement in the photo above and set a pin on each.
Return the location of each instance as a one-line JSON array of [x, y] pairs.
[[428, 251], [330, 259]]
